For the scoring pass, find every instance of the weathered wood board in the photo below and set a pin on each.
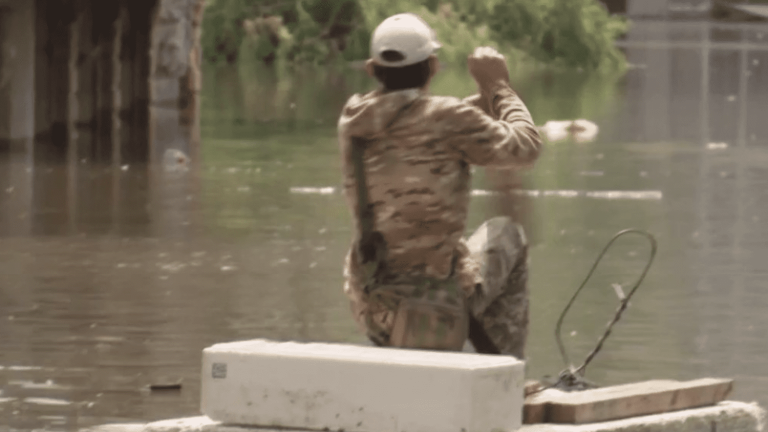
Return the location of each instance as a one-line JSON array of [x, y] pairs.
[[623, 401]]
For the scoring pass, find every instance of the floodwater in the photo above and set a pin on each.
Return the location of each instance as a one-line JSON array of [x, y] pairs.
[[115, 278]]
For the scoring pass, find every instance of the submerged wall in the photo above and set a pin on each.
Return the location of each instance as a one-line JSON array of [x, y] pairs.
[[100, 80], [656, 9]]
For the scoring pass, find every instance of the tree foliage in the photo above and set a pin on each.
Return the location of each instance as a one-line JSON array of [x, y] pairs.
[[569, 33]]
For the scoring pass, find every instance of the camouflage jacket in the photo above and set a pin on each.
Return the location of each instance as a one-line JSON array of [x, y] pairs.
[[418, 175]]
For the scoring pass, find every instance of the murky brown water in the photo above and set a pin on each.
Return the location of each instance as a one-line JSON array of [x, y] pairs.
[[113, 278]]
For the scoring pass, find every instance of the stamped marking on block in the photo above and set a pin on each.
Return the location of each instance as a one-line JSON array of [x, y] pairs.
[[219, 370]]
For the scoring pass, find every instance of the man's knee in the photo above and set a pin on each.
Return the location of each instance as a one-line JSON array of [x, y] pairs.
[[499, 246], [502, 240], [502, 229]]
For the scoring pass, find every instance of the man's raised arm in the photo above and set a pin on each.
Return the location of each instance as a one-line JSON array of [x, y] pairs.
[[494, 128]]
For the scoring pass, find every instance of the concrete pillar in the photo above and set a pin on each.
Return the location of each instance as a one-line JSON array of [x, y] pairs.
[[52, 43], [17, 65], [135, 26], [82, 82], [104, 33], [175, 77]]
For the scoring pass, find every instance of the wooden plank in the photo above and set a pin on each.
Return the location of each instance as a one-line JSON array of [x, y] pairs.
[[535, 407], [623, 401], [532, 386]]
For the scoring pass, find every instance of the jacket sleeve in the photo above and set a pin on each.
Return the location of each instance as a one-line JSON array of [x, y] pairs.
[[495, 132]]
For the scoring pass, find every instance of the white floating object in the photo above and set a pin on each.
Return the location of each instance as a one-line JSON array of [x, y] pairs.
[[633, 195], [584, 130], [175, 160], [717, 146], [619, 291], [318, 386], [313, 190], [581, 130], [556, 130], [47, 401]]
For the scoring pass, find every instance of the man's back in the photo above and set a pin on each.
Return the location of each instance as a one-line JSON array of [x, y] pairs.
[[406, 163], [417, 155], [418, 182]]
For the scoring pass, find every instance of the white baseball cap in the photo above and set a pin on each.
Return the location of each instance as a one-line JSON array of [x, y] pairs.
[[407, 34]]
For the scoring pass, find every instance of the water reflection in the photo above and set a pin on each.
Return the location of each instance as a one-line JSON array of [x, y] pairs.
[[115, 277]]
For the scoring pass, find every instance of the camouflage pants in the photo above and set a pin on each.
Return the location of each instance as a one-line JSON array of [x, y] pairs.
[[500, 305]]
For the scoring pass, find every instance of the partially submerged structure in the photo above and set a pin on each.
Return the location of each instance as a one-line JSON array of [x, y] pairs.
[[260, 385], [101, 80]]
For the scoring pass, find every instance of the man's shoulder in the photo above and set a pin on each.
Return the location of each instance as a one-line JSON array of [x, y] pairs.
[[358, 99], [444, 102], [448, 108]]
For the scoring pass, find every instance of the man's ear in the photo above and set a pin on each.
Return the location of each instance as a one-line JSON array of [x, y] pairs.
[[434, 65], [369, 68]]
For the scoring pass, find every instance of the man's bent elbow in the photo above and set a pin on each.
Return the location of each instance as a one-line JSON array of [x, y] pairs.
[[527, 148]]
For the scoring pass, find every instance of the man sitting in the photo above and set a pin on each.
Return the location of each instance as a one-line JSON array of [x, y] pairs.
[[406, 163]]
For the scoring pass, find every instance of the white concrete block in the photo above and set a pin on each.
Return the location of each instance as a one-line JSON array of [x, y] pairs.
[[357, 388]]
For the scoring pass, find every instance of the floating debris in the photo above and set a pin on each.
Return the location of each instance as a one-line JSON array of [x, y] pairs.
[[175, 160], [635, 195], [313, 190], [731, 98], [165, 386], [717, 146], [580, 130], [172, 267], [619, 291], [47, 401], [31, 385]]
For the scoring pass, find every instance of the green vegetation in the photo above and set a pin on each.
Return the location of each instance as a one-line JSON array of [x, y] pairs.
[[559, 33]]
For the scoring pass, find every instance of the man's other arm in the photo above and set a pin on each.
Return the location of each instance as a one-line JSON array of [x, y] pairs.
[[495, 129]]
